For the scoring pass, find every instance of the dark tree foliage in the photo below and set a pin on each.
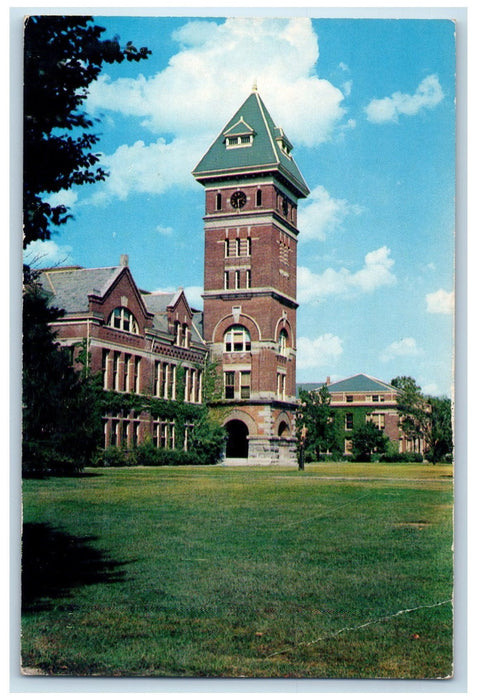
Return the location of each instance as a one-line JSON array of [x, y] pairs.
[[61, 417], [368, 439], [426, 417], [316, 417], [63, 55]]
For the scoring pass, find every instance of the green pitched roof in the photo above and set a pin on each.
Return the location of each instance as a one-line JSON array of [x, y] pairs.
[[264, 155], [360, 382]]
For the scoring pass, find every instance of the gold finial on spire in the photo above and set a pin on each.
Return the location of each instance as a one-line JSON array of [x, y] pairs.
[[254, 86]]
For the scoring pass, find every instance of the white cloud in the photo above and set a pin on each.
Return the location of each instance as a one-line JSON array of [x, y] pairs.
[[318, 352], [165, 230], [322, 215], [346, 87], [406, 347], [204, 83], [428, 94], [430, 389], [375, 273], [66, 197], [440, 302], [194, 296], [47, 254], [149, 169]]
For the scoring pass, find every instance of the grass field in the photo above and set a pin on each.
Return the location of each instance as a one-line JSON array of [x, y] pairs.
[[340, 571]]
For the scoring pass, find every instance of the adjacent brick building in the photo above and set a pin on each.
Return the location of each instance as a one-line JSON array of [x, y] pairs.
[[136, 340], [362, 398]]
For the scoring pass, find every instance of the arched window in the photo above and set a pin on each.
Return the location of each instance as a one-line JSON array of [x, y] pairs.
[[123, 320], [237, 339], [282, 342]]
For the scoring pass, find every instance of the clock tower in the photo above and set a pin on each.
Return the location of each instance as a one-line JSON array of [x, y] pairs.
[[252, 187]]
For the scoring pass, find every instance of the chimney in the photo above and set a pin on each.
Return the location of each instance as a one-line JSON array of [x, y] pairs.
[[124, 260], [328, 381]]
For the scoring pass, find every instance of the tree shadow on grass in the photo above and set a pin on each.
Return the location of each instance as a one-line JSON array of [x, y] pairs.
[[54, 563]]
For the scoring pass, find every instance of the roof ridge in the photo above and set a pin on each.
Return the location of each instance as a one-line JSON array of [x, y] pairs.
[[264, 112]]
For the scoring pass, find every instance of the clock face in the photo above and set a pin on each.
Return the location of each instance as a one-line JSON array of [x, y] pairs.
[[238, 199]]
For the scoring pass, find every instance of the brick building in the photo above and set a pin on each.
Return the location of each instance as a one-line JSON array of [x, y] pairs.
[[136, 340], [252, 187], [362, 398], [248, 326]]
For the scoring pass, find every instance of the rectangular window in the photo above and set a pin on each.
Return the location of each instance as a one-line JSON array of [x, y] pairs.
[[125, 433], [229, 384], [377, 419], [237, 279], [218, 201], [157, 378], [172, 381], [114, 433], [349, 399], [226, 279], [193, 386], [164, 380], [281, 383], [244, 385], [127, 370], [249, 246], [199, 386], [187, 383], [137, 374], [135, 434], [375, 398], [349, 421], [116, 384], [237, 247], [248, 278], [105, 369], [164, 435], [227, 248]]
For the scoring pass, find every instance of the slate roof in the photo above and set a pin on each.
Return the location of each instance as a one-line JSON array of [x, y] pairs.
[[157, 303], [68, 288], [362, 383], [264, 155]]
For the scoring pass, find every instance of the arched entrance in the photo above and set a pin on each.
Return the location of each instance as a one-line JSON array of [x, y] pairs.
[[237, 440]]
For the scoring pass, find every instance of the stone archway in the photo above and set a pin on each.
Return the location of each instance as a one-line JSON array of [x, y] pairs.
[[237, 440]]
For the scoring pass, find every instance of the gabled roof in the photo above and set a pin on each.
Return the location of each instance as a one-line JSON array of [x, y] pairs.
[[158, 303], [68, 288], [360, 382], [239, 128], [264, 155]]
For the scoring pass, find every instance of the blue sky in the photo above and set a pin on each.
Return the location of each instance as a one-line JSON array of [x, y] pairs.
[[369, 106]]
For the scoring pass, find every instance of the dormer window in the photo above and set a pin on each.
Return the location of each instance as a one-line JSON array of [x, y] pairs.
[[283, 143], [123, 320], [240, 135], [284, 146], [239, 141]]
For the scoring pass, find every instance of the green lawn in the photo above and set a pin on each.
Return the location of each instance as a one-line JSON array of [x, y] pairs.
[[340, 571]]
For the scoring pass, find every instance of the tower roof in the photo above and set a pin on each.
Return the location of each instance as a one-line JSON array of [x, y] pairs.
[[265, 149]]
